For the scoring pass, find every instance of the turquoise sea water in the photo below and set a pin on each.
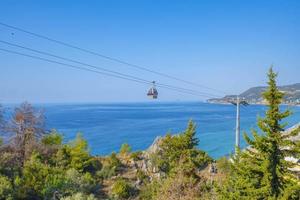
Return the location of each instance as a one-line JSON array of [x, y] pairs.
[[107, 126]]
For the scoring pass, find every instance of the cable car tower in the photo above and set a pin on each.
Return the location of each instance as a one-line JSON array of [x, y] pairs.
[[237, 103], [152, 93]]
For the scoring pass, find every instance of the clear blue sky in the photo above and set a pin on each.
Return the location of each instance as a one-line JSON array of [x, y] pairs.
[[227, 45]]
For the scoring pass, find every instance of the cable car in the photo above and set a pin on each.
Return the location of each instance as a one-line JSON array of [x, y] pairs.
[[152, 93]]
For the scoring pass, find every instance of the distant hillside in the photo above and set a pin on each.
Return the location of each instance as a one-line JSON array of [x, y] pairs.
[[253, 95]]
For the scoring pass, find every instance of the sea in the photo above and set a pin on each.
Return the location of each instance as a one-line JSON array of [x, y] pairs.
[[107, 126]]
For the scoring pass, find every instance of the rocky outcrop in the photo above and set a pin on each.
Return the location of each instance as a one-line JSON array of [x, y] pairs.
[[146, 163]]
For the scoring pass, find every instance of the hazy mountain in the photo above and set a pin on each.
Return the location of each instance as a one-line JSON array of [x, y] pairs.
[[253, 95]]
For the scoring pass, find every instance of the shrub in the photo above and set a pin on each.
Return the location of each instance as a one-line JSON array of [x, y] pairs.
[[6, 189], [79, 196], [224, 165], [173, 147], [54, 138], [79, 152], [121, 189], [136, 155], [106, 172], [150, 191], [77, 182], [110, 167], [141, 176], [39, 179], [125, 149], [113, 161]]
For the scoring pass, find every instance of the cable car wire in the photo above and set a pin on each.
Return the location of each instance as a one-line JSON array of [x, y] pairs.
[[98, 72], [104, 69], [108, 57]]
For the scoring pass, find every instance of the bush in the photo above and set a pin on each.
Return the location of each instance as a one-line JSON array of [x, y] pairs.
[[110, 167], [141, 176], [79, 152], [53, 138], [113, 161], [121, 189], [136, 155], [107, 172], [77, 182], [224, 165], [39, 179], [6, 189], [125, 149], [150, 191], [79, 196]]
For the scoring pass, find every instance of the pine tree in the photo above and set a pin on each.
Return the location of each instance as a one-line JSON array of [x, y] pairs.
[[190, 134], [261, 171]]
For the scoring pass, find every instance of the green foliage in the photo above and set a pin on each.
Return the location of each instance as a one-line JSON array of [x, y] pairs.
[[79, 153], [79, 196], [136, 155], [150, 191], [142, 176], [1, 141], [224, 165], [39, 179], [113, 161], [53, 138], [181, 186], [42, 180], [107, 172], [181, 160], [174, 147], [184, 183], [121, 189], [125, 149], [62, 158], [75, 155], [78, 182], [6, 188], [191, 141], [110, 167], [261, 172]]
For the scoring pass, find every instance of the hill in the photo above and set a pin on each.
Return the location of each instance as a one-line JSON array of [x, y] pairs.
[[254, 95]]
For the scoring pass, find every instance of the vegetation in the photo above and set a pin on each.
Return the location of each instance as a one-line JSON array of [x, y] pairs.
[[36, 164], [261, 171], [121, 189]]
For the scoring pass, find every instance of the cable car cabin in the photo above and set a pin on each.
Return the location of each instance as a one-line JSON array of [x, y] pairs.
[[152, 93]]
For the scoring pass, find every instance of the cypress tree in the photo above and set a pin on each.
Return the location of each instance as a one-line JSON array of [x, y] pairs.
[[261, 171]]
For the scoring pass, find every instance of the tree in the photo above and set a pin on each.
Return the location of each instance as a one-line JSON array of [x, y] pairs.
[[174, 147], [190, 136], [27, 127], [79, 153], [39, 179], [261, 171]]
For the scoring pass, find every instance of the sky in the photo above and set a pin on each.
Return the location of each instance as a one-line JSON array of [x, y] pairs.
[[225, 45]]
